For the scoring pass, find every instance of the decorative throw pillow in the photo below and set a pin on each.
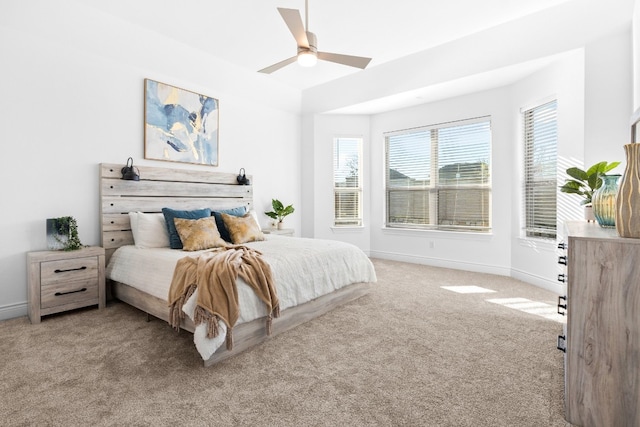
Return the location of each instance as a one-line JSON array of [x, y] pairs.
[[198, 234], [242, 229], [171, 214], [239, 211], [254, 214], [149, 230]]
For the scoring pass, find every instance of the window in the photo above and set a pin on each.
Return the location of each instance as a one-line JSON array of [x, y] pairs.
[[540, 158], [438, 177], [347, 181]]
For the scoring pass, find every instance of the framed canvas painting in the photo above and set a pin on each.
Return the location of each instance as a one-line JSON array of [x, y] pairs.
[[179, 125]]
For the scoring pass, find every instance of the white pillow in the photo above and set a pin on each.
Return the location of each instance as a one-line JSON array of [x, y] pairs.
[[254, 214], [149, 230]]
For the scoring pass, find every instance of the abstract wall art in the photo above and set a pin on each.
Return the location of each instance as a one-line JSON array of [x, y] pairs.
[[180, 125]]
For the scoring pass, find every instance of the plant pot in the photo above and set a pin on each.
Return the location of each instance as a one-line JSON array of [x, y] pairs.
[[280, 225], [588, 214]]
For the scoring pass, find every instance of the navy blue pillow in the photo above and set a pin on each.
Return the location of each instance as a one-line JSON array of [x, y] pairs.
[[224, 233], [170, 214]]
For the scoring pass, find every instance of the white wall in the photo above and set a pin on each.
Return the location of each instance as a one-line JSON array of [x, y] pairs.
[[593, 88], [326, 127], [534, 260], [72, 97], [470, 251]]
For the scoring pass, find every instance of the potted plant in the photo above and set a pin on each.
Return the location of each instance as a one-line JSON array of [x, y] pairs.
[[279, 211], [62, 233], [584, 183]]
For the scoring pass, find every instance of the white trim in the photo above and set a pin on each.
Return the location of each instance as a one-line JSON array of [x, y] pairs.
[[526, 277], [13, 310], [531, 105], [440, 234], [348, 229], [444, 263], [539, 281]]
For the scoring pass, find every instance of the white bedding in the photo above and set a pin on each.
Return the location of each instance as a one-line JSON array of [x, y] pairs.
[[303, 269]]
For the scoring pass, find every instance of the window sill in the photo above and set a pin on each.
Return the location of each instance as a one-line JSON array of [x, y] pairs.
[[541, 245], [348, 229], [463, 235]]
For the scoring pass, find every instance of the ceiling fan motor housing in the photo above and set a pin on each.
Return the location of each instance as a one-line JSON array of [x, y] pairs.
[[313, 44]]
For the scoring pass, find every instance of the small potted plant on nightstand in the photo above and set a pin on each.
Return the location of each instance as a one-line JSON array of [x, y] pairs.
[[584, 183], [279, 211]]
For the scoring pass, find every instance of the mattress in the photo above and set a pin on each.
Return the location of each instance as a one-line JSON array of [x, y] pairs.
[[303, 269]]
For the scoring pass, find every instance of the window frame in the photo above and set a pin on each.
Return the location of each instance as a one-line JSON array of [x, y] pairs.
[[434, 188], [529, 218], [358, 220]]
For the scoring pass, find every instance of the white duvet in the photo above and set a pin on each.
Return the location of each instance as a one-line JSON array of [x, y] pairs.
[[303, 269]]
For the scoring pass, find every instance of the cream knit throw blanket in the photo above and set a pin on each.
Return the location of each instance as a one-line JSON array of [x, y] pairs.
[[214, 274]]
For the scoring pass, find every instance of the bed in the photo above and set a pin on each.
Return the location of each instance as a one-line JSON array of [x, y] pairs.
[[312, 276]]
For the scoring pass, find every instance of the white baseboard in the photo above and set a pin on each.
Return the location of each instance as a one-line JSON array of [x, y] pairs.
[[524, 276], [13, 310], [539, 281], [444, 263]]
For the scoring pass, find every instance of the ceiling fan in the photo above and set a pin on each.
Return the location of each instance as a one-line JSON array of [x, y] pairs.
[[308, 54]]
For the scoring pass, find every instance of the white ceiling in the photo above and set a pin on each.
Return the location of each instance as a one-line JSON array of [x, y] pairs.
[[252, 34]]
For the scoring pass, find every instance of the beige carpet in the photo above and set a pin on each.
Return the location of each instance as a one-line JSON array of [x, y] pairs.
[[409, 353]]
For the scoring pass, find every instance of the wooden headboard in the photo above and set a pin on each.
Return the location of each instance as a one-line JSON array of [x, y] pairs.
[[159, 188]]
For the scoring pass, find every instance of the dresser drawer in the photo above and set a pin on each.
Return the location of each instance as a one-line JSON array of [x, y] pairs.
[[68, 281]]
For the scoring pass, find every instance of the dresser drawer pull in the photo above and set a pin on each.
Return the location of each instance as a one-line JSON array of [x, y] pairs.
[[562, 278], [562, 260], [561, 306], [58, 294], [70, 269], [562, 343], [562, 245]]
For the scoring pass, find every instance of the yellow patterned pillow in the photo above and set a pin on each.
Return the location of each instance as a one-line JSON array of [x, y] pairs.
[[198, 234], [242, 229]]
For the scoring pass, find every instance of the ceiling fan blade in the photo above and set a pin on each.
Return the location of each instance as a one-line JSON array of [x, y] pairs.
[[294, 22], [275, 67], [352, 61]]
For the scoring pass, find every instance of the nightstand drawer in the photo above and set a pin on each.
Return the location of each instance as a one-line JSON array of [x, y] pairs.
[[77, 270], [68, 281], [68, 293], [65, 280]]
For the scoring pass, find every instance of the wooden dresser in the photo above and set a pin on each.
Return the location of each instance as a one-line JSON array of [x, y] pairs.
[[65, 280], [602, 336]]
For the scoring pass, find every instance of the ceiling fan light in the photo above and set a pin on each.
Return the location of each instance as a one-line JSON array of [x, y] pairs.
[[307, 58]]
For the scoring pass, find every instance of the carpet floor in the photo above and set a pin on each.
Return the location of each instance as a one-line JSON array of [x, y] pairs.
[[409, 353]]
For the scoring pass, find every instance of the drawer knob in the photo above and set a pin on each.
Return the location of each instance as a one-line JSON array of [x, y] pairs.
[[70, 292], [562, 278], [562, 260], [70, 269], [562, 245], [561, 306]]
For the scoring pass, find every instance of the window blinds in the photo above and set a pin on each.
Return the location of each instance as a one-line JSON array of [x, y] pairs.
[[347, 181], [540, 175], [438, 177]]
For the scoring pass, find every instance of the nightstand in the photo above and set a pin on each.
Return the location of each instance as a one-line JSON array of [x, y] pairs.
[[65, 280], [280, 232]]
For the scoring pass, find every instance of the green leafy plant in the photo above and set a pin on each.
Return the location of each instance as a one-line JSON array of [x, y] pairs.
[[584, 183], [67, 226], [279, 210]]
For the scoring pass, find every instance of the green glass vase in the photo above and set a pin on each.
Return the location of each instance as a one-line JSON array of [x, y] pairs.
[[604, 201]]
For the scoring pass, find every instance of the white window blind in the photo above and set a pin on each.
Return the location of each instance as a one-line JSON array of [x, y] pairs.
[[540, 176], [438, 177], [347, 181]]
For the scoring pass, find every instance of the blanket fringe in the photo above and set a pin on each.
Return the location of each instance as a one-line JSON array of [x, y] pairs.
[[175, 310]]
